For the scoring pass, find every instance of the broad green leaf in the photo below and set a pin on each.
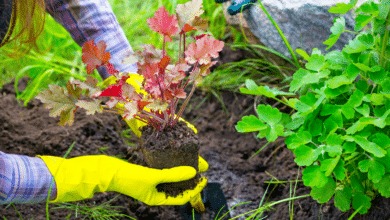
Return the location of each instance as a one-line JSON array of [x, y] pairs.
[[354, 46], [250, 124], [368, 7], [356, 184], [334, 139], [338, 81], [316, 62], [325, 193], [362, 67], [328, 165], [340, 8], [363, 20], [336, 60], [315, 127], [383, 186], [364, 110], [362, 85], [331, 40], [333, 150], [352, 71], [385, 86], [337, 28], [330, 126], [361, 200], [354, 101], [305, 156], [367, 39], [374, 168], [314, 177], [385, 160], [303, 54], [254, 89], [269, 115], [298, 139], [349, 147], [377, 99], [369, 146], [273, 132], [295, 123], [328, 109], [304, 77], [381, 140], [342, 198], [339, 170], [333, 93]]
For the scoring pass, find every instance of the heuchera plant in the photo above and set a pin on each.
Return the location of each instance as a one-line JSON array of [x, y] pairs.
[[339, 129], [164, 81]]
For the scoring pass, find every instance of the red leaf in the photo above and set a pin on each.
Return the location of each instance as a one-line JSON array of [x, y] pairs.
[[188, 28], [203, 49], [110, 69], [94, 56], [142, 104], [164, 24], [164, 62], [179, 93], [111, 91]]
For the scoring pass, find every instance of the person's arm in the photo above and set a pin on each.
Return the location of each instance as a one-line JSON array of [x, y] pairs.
[[24, 179], [93, 19]]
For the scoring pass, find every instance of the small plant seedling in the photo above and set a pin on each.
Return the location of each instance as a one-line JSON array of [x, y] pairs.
[[339, 130]]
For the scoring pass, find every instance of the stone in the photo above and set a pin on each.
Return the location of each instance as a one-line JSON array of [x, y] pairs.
[[305, 23]]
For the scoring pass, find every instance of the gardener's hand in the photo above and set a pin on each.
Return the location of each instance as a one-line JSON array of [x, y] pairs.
[[238, 5], [79, 178]]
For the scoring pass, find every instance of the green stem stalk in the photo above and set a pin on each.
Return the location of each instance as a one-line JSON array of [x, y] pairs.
[[281, 35]]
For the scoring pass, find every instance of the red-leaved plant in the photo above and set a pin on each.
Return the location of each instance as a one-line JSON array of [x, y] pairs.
[[164, 80]]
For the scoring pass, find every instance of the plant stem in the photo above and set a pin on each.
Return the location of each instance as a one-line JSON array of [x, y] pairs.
[[281, 35], [384, 42], [152, 116], [184, 104]]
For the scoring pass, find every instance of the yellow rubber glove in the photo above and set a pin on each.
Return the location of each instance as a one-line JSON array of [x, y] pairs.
[[136, 81], [80, 177]]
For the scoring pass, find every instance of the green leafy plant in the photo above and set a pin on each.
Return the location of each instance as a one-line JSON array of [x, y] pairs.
[[339, 129]]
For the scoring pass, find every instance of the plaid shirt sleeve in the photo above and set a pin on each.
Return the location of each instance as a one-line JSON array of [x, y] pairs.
[[24, 180], [93, 19]]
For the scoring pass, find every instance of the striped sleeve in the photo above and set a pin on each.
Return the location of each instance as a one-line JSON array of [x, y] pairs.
[[24, 179], [93, 19]]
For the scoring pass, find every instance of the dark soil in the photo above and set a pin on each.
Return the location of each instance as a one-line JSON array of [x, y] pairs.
[[172, 147], [30, 131]]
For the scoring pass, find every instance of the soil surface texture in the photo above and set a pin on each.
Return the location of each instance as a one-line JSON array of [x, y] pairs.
[[30, 131]]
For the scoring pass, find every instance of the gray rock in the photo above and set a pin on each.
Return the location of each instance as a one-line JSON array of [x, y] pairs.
[[305, 23]]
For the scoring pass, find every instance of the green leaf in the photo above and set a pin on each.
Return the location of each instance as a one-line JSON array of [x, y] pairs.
[[250, 124], [333, 150], [377, 99], [273, 132], [340, 8], [367, 39], [336, 60], [328, 165], [331, 41], [254, 89], [314, 177], [325, 193], [368, 7], [363, 20], [383, 186], [303, 54], [361, 85], [337, 28], [92, 107], [333, 93], [381, 140], [298, 139], [315, 127], [374, 168], [342, 198], [330, 126], [339, 170], [296, 123], [328, 109], [352, 71], [338, 81], [349, 147], [354, 46], [303, 77], [269, 115], [334, 139], [362, 67], [361, 200], [368, 146], [356, 184], [364, 110], [305, 156], [315, 63]]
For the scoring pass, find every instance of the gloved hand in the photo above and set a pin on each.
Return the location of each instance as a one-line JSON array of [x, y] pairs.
[[236, 6], [80, 177], [136, 81]]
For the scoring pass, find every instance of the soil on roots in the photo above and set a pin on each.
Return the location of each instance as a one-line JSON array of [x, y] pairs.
[[30, 131]]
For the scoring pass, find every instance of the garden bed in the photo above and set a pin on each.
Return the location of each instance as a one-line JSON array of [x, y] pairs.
[[30, 131]]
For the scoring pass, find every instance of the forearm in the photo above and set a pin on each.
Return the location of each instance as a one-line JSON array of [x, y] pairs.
[[24, 180], [93, 19]]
